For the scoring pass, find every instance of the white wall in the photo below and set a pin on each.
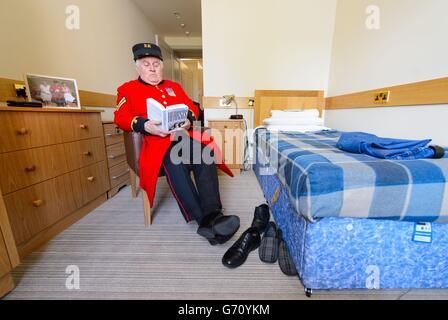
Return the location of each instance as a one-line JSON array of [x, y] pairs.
[[410, 46], [422, 122], [190, 68], [263, 44], [225, 113], [34, 39]]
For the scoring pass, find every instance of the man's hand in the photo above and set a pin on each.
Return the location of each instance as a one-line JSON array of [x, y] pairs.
[[186, 125], [152, 127]]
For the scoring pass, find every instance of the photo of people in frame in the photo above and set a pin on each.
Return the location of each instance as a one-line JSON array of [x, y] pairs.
[[53, 92]]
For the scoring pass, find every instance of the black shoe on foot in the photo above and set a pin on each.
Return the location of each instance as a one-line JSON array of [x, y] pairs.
[[219, 240], [261, 218], [239, 251], [218, 228]]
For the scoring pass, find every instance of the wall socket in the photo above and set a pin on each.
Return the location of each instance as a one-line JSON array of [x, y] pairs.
[[382, 97]]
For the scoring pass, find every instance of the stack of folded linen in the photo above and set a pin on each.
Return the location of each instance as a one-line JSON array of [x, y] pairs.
[[295, 120]]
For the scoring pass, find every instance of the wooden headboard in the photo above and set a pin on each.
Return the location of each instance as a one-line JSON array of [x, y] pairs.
[[267, 100]]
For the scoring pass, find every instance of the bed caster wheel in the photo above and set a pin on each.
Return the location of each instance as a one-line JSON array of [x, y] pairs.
[[308, 292]]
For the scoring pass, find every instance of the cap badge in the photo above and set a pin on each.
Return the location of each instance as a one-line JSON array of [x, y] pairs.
[[147, 45]]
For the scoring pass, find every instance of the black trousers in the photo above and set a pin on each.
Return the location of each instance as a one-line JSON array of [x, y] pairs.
[[199, 199]]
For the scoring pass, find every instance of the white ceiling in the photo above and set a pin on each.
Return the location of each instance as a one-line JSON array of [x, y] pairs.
[[160, 13]]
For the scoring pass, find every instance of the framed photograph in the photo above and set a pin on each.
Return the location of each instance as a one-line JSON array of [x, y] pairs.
[[53, 92]]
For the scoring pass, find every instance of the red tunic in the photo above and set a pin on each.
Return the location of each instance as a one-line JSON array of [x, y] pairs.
[[131, 104]]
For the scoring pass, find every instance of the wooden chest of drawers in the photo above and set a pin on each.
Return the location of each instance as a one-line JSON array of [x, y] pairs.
[[9, 257], [53, 170], [119, 172], [229, 136]]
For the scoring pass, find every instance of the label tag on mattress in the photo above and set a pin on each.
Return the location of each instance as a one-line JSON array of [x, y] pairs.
[[422, 232]]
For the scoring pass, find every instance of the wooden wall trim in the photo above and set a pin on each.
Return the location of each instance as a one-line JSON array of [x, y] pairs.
[[213, 103], [7, 89], [87, 98], [96, 99], [431, 92]]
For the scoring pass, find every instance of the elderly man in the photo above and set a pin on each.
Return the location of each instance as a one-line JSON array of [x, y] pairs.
[[200, 202]]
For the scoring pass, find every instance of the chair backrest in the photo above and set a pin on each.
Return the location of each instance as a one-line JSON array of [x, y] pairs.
[[133, 144]]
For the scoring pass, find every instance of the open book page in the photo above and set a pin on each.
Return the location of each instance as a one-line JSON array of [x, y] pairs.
[[176, 116], [155, 110], [171, 117]]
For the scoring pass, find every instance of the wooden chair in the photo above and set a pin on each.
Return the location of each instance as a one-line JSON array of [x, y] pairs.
[[133, 143]]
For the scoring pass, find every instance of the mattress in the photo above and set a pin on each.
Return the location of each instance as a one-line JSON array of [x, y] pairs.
[[351, 253], [322, 181]]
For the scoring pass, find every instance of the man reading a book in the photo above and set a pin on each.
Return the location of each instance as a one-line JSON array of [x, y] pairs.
[[200, 202]]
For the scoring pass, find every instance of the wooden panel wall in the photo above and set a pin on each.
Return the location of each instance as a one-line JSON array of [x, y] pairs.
[[429, 92], [87, 98], [213, 102]]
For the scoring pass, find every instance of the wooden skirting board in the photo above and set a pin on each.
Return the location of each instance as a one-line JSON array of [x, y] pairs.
[[431, 92], [87, 98]]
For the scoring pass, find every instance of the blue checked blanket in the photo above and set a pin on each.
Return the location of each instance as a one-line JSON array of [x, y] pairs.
[[324, 181]]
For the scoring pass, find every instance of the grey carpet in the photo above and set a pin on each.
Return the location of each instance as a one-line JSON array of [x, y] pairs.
[[119, 259]]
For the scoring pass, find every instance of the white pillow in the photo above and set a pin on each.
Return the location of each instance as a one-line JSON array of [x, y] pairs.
[[294, 121], [301, 129], [307, 113]]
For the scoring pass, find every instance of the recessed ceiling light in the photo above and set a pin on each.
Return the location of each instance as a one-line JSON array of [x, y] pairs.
[[182, 25], [187, 33]]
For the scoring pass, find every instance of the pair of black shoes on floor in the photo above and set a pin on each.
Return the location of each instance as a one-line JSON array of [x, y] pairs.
[[250, 239], [218, 228]]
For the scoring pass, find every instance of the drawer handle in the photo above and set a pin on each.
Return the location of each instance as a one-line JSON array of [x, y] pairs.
[[91, 179], [119, 176], [114, 134], [87, 153], [83, 126], [22, 131], [30, 169], [38, 203], [116, 156], [225, 127]]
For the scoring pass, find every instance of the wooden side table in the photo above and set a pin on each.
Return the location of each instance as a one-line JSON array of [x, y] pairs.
[[229, 136]]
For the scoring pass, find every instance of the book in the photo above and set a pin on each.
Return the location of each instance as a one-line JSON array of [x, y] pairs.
[[171, 117]]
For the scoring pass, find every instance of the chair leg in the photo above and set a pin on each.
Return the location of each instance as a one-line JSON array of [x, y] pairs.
[[133, 183], [146, 209]]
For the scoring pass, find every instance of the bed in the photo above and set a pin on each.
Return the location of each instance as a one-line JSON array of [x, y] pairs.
[[352, 221]]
